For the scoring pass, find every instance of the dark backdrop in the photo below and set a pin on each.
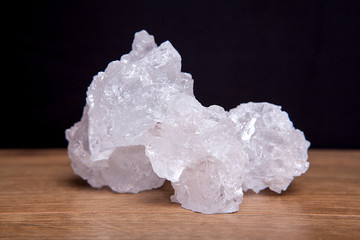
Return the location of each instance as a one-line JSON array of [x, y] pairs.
[[301, 55]]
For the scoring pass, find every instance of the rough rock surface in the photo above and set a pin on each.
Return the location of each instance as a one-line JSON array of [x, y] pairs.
[[277, 151], [196, 148], [129, 97]]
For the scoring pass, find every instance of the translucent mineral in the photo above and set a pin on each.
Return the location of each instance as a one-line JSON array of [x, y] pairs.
[[142, 125], [277, 151], [197, 149], [210, 155], [106, 147]]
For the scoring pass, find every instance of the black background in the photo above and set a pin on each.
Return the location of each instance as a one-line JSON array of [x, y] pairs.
[[302, 55]]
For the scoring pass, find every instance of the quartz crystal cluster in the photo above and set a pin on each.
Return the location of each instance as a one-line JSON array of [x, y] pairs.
[[142, 125]]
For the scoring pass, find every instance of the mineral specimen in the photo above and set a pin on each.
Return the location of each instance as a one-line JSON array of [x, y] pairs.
[[196, 148], [142, 124], [209, 155], [131, 96], [277, 151]]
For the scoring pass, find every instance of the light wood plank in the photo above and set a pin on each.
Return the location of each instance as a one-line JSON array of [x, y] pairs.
[[41, 198]]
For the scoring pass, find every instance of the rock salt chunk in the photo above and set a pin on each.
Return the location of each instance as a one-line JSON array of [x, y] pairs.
[[196, 148], [129, 97], [277, 151], [142, 124]]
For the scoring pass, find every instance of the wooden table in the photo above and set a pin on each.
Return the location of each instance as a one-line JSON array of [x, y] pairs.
[[41, 198]]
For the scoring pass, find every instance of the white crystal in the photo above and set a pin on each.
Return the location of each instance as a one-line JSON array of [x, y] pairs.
[[131, 96], [142, 124], [209, 155], [277, 151], [196, 148]]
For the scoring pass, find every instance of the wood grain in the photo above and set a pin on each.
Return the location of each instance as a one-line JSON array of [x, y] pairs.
[[41, 198]]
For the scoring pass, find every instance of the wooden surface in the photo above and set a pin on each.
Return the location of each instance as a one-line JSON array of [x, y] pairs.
[[41, 198]]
